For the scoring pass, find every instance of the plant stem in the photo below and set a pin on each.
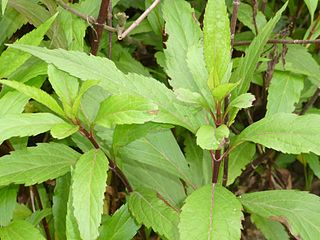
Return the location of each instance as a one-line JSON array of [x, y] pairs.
[[109, 23], [103, 15], [139, 20], [311, 101], [236, 4], [281, 41], [216, 162]]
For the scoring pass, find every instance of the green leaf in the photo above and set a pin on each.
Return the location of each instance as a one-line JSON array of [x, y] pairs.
[[155, 18], [247, 65], [37, 94], [36, 217], [152, 212], [272, 230], [312, 6], [206, 137], [4, 5], [297, 210], [63, 130], [120, 226], [238, 159], [36, 164], [216, 32], [243, 101], [313, 162], [72, 228], [11, 58], [125, 109], [192, 98], [245, 15], [20, 230], [221, 91], [8, 196], [88, 187], [284, 132], [12, 102], [284, 92], [26, 124], [84, 67], [205, 216]]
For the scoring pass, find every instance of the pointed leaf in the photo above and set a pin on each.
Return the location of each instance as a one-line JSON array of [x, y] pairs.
[[8, 196], [220, 219], [221, 91], [242, 101], [151, 211], [299, 211], [36, 164], [88, 187], [26, 124], [12, 102], [20, 230], [312, 6], [3, 5]]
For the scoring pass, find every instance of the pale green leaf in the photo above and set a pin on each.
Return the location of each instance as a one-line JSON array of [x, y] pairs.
[[4, 5], [155, 18], [84, 67], [313, 162], [284, 92], [211, 212], [221, 91], [247, 66], [312, 6], [120, 226], [284, 132], [11, 58], [12, 102], [63, 130], [299, 210], [192, 98], [217, 43], [8, 196], [206, 137], [36, 164], [20, 230], [243, 101], [72, 228], [152, 212], [37, 94], [88, 187], [222, 132], [125, 109], [21, 212], [238, 159], [272, 230], [245, 15], [26, 124]]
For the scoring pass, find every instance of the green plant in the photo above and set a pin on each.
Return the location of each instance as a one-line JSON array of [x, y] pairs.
[[109, 164]]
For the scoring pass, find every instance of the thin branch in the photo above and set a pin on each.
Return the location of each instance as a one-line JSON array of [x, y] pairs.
[[139, 20], [254, 15], [109, 23], [102, 17], [236, 4], [281, 41], [311, 101], [90, 19]]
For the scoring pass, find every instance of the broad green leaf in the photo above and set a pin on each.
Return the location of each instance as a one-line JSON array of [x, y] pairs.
[[299, 210], [36, 164], [20, 230], [192, 98], [221, 133], [206, 137], [84, 67], [63, 130], [272, 230], [238, 159], [88, 187], [242, 101], [245, 15], [125, 109], [4, 5], [11, 58], [284, 132], [221, 91], [216, 33], [26, 124], [284, 92], [247, 66], [12, 102], [8, 196], [59, 206], [21, 212], [37, 94], [153, 212], [211, 212], [72, 228], [312, 6], [120, 226]]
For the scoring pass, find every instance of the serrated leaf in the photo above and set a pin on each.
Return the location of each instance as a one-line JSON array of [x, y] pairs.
[[284, 132], [12, 102], [206, 137], [20, 230], [216, 33], [247, 65], [37, 94], [84, 67], [272, 230], [36, 164], [297, 210], [88, 187], [152, 212], [242, 101], [215, 217], [63, 130], [284, 92], [11, 58], [8, 196], [221, 91], [120, 226], [238, 159], [125, 109], [26, 124]]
